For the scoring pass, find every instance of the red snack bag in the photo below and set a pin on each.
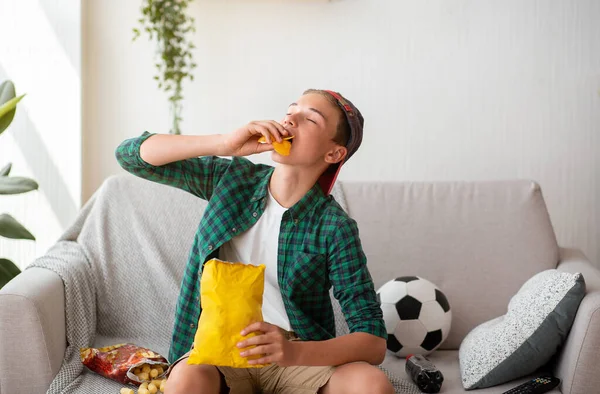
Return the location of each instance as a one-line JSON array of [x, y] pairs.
[[125, 363]]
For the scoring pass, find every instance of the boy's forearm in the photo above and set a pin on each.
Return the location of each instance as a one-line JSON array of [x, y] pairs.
[[346, 349], [162, 149]]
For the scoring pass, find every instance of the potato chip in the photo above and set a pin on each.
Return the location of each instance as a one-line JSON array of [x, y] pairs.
[[283, 148]]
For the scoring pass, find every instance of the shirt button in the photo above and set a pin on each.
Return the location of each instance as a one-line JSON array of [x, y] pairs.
[[234, 229], [295, 221], [192, 325], [210, 247], [255, 214]]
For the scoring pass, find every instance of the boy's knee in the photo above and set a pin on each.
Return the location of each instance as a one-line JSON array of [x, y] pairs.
[[359, 378], [374, 381], [201, 379]]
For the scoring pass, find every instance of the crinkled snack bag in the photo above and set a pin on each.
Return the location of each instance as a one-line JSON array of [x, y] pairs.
[[231, 299], [125, 363]]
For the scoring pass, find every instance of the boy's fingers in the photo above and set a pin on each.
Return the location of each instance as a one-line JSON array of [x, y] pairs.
[[259, 350], [260, 130], [258, 326], [279, 127], [270, 129], [265, 132], [273, 123], [274, 128], [257, 340], [275, 132]]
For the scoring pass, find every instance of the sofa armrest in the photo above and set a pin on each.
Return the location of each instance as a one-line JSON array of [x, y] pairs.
[[32, 331], [577, 364]]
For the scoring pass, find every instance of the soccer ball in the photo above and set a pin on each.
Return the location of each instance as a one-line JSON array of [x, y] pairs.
[[417, 315]]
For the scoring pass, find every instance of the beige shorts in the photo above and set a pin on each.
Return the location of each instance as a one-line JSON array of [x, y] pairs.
[[275, 379], [272, 378]]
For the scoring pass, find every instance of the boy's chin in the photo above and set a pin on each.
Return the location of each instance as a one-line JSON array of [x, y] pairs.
[[279, 158]]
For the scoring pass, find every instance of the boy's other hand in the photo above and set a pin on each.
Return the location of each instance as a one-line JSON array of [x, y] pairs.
[[244, 141], [271, 343]]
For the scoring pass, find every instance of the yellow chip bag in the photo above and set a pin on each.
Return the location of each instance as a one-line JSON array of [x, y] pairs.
[[231, 297]]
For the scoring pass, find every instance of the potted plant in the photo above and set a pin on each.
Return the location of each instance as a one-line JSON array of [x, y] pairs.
[[167, 22], [9, 226]]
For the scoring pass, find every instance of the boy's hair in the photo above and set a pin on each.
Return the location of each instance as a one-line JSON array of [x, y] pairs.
[[342, 134]]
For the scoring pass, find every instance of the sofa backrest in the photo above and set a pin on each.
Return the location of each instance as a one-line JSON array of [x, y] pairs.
[[477, 241]]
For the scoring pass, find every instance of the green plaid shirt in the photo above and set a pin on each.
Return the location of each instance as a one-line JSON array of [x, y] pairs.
[[319, 245]]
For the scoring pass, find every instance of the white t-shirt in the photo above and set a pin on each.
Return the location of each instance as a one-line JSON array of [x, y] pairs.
[[258, 245]]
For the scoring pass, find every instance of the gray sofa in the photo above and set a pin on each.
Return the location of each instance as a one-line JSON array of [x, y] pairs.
[[478, 241]]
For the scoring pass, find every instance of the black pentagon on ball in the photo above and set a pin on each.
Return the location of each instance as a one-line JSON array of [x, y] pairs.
[[408, 308], [406, 279], [432, 339], [442, 300], [393, 344]]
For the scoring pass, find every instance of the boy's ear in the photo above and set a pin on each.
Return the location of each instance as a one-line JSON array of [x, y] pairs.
[[336, 155]]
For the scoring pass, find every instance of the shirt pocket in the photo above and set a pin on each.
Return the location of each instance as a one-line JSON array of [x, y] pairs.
[[307, 274]]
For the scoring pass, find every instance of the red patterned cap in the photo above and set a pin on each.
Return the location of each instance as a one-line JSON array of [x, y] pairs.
[[356, 122]]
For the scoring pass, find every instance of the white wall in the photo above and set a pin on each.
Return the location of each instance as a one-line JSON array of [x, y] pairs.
[[450, 89], [40, 51]]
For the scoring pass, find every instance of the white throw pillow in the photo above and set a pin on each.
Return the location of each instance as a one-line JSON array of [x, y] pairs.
[[536, 324]]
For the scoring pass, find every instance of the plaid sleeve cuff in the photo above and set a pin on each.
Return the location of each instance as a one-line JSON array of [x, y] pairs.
[[128, 152], [364, 314], [374, 326]]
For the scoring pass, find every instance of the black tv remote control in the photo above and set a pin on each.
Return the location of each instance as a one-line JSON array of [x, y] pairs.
[[538, 385]]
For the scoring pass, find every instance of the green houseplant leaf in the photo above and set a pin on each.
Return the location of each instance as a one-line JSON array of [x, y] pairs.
[[16, 185], [8, 104], [168, 23], [8, 270], [6, 170], [11, 228]]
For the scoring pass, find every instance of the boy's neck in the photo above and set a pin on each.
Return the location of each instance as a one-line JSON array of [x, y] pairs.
[[288, 185]]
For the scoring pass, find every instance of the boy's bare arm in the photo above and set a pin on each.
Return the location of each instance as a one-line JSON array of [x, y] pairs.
[[358, 346], [163, 149]]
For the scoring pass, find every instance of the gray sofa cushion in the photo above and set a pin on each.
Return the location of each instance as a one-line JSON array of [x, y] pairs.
[[537, 322], [491, 235]]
